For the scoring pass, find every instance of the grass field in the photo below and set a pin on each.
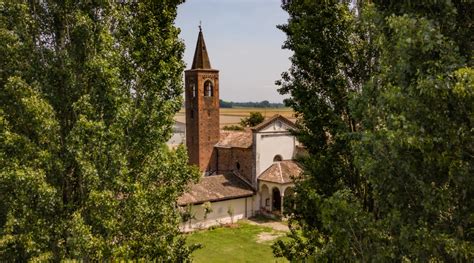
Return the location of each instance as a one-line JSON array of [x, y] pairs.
[[239, 244], [230, 116]]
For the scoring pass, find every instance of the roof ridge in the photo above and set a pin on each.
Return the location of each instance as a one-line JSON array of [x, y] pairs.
[[270, 120], [239, 176], [268, 168], [281, 174]]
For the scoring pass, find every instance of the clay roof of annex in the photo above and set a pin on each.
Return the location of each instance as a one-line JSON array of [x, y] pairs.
[[281, 172], [237, 139], [216, 188]]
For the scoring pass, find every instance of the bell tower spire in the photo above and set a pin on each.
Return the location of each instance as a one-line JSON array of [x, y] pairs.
[[201, 58], [202, 109]]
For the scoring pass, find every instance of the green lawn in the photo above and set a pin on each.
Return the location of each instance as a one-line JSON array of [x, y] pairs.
[[239, 244]]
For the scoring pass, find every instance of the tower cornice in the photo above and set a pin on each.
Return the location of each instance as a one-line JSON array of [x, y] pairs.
[[202, 70]]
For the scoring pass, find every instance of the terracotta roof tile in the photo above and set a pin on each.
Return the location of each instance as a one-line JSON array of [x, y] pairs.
[[216, 188], [281, 172], [239, 139]]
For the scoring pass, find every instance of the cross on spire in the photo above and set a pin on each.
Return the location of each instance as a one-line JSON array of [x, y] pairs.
[[200, 26]]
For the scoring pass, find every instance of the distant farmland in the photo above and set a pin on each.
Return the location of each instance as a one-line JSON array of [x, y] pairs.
[[230, 116]]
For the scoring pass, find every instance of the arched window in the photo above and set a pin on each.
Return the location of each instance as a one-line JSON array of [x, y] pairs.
[[208, 88], [237, 165], [277, 158]]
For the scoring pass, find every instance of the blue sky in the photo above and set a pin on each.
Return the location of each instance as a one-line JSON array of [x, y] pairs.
[[243, 43]]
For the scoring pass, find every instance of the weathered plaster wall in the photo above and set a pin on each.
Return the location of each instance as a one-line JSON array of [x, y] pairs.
[[243, 208]]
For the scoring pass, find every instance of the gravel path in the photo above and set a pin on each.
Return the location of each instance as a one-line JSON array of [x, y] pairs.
[[267, 236]]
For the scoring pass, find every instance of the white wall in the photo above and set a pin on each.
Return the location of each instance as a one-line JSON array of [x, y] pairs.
[[273, 140], [219, 214]]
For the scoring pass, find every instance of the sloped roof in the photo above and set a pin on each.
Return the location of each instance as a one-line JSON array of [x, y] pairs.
[[201, 58], [281, 172], [267, 122], [216, 188], [238, 139]]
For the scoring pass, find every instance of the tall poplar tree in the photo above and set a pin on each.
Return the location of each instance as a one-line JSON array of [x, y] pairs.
[[417, 144], [88, 91], [334, 55], [384, 94]]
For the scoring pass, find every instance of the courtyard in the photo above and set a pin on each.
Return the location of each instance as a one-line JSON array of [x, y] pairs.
[[245, 241]]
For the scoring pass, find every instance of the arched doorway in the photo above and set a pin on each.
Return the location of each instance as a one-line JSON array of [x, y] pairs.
[[276, 199]]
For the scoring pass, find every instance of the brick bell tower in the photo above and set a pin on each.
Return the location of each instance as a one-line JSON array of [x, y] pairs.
[[202, 109]]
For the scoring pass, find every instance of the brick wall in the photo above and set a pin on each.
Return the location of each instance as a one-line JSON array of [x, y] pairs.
[[238, 160], [202, 117]]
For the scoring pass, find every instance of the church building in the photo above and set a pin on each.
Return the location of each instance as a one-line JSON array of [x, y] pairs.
[[244, 172]]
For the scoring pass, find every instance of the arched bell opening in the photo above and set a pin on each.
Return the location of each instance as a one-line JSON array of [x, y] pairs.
[[208, 88]]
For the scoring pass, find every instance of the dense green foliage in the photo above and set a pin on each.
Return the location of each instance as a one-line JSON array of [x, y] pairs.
[[261, 104], [88, 91], [254, 119], [384, 93]]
